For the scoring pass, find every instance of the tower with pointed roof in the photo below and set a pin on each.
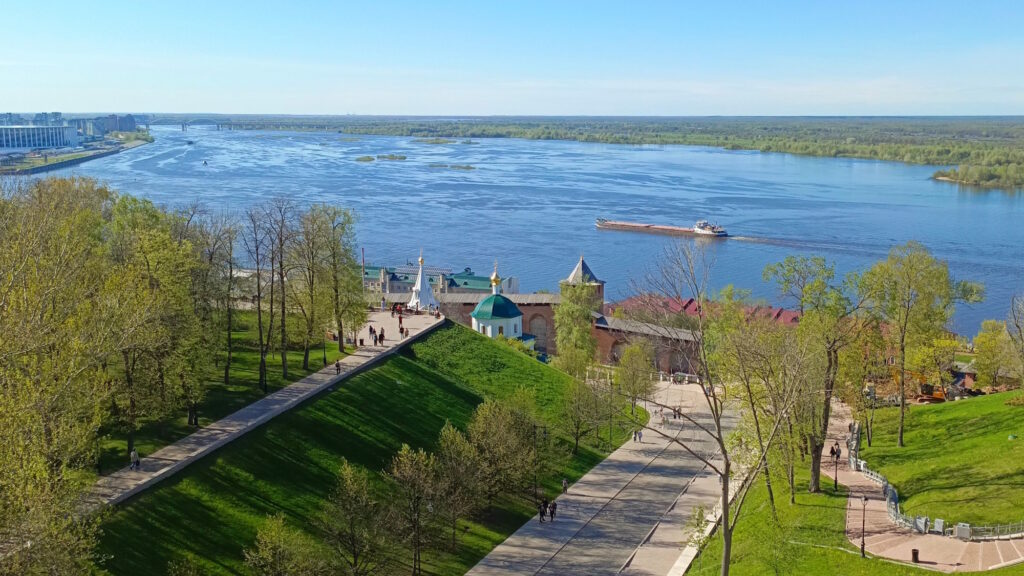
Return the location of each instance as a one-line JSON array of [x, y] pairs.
[[422, 294], [582, 274]]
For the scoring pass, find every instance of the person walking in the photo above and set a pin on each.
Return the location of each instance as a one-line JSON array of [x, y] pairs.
[[565, 485], [634, 435], [640, 436], [541, 511], [337, 366], [135, 460], [839, 451], [551, 510], [832, 452], [381, 333]]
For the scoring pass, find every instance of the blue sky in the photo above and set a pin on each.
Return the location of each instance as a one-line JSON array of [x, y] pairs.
[[514, 57]]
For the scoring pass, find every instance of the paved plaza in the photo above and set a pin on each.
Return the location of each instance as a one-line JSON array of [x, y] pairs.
[[887, 540], [627, 514], [168, 460]]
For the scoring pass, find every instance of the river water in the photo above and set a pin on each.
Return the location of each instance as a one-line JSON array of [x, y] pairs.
[[532, 204]]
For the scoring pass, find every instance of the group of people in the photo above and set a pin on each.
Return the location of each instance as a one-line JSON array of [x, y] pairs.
[[377, 336], [638, 435], [835, 451], [547, 510]]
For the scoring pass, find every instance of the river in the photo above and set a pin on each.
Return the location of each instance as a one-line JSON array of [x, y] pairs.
[[531, 204]]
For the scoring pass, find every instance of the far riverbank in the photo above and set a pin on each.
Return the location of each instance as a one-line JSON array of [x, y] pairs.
[[69, 160]]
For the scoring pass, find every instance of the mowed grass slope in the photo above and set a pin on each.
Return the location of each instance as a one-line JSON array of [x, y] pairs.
[[808, 539], [221, 399], [958, 463], [211, 511]]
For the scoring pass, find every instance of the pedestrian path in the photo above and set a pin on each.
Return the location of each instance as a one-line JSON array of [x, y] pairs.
[[168, 460], [887, 540], [617, 506]]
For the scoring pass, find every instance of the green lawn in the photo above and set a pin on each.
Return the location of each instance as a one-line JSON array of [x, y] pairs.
[[958, 463], [221, 399], [212, 510], [808, 540]]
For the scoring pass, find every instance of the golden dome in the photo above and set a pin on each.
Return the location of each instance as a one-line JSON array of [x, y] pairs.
[[495, 279]]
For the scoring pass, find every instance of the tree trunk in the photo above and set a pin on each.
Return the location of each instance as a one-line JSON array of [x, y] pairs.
[[903, 391], [284, 314], [724, 523], [305, 354], [817, 443], [814, 485]]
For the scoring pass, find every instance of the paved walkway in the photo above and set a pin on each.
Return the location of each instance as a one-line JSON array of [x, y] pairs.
[[617, 506], [167, 461], [887, 540]]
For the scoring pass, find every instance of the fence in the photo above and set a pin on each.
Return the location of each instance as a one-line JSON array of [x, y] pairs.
[[922, 524]]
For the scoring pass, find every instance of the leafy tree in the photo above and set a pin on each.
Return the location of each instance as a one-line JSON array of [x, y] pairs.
[[258, 247], [994, 353], [348, 304], [574, 340], [356, 525], [281, 550], [634, 375], [503, 438], [830, 322], [458, 477], [278, 218], [308, 259], [580, 411], [913, 295], [413, 474]]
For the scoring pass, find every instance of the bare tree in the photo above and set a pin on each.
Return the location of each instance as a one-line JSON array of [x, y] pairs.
[[258, 246], [1016, 329], [279, 213], [683, 273]]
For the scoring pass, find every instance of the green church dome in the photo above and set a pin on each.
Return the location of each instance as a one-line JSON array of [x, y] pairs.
[[494, 307]]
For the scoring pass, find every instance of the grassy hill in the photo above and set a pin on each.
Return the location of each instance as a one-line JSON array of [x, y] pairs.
[[958, 463], [212, 510], [221, 400]]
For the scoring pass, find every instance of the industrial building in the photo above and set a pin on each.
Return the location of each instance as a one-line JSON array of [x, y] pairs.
[[25, 138]]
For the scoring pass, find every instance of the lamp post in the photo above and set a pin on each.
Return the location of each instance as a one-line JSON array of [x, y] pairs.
[[863, 515]]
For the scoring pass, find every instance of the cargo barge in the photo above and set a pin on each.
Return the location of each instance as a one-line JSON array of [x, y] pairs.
[[701, 228]]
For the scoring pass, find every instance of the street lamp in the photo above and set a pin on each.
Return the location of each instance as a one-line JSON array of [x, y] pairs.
[[863, 515]]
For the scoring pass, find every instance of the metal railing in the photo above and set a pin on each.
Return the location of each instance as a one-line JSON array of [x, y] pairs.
[[922, 524]]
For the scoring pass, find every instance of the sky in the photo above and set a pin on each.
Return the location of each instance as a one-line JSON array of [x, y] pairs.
[[646, 58]]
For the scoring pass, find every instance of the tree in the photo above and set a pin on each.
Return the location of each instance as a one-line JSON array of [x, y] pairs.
[[580, 411], [257, 242], [281, 550], [356, 525], [1016, 327], [347, 300], [573, 317], [994, 353], [308, 253], [278, 215], [634, 375], [457, 484], [682, 272], [412, 474], [503, 439], [913, 294], [933, 361]]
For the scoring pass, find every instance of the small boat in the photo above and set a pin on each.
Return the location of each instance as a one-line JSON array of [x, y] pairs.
[[701, 228], [190, 142], [204, 163]]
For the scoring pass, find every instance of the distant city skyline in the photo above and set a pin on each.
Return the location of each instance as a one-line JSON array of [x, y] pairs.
[[523, 58]]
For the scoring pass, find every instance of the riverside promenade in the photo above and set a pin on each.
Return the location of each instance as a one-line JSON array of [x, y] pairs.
[[169, 460], [885, 539], [628, 513]]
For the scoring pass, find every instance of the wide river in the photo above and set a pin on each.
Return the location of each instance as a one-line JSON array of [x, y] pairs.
[[531, 205]]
